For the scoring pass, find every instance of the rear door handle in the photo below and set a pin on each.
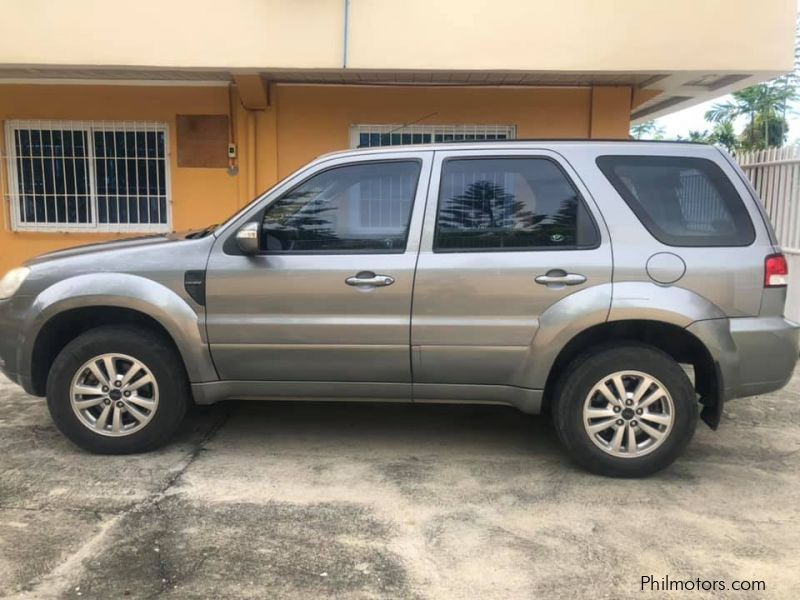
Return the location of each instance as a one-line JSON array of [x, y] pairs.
[[368, 279], [559, 278]]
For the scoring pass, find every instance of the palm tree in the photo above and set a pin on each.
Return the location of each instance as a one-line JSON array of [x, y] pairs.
[[763, 105]]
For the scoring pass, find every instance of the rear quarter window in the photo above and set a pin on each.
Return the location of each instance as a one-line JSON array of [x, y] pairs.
[[682, 201]]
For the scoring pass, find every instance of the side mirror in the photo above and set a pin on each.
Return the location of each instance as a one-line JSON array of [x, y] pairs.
[[247, 238]]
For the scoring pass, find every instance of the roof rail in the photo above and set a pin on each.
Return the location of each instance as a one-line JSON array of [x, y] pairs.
[[550, 139]]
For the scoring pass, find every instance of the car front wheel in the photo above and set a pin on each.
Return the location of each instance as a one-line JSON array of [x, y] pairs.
[[117, 390], [626, 411]]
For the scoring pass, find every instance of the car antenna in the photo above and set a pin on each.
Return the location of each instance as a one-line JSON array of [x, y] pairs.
[[404, 125]]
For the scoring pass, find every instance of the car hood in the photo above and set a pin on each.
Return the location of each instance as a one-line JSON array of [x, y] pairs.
[[129, 243]]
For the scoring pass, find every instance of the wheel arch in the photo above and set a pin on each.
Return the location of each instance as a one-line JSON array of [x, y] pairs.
[[74, 305], [674, 340]]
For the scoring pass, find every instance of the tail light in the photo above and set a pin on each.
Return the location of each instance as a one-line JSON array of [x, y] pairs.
[[776, 271]]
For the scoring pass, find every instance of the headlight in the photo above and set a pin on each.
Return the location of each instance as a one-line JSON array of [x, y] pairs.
[[10, 283]]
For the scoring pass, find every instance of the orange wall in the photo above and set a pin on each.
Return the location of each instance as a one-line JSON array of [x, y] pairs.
[[300, 123], [314, 119], [199, 196]]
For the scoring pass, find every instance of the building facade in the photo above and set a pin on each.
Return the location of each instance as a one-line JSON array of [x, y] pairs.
[[131, 118]]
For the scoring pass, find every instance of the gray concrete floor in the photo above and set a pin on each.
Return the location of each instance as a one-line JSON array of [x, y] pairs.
[[282, 500]]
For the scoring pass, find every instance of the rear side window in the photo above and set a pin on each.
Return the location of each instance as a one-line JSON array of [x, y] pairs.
[[681, 201], [492, 204]]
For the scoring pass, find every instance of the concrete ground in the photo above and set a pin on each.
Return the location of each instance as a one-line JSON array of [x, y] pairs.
[[282, 500]]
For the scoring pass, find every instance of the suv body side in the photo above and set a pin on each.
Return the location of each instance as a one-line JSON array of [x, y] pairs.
[[720, 300]]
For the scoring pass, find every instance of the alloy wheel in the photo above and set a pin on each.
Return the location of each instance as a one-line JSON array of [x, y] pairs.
[[628, 414], [114, 394]]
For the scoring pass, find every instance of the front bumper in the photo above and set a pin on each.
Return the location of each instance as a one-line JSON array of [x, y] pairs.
[[12, 313]]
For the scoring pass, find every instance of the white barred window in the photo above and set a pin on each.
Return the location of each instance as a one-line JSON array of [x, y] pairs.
[[88, 176], [369, 136]]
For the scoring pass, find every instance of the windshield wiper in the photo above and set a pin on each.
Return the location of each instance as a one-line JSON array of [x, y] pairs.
[[203, 232]]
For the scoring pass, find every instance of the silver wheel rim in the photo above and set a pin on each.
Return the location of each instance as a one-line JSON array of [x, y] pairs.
[[114, 395], [628, 414]]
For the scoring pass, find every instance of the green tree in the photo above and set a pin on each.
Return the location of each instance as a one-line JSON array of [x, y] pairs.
[[699, 136], [647, 131], [764, 106], [724, 135], [762, 134]]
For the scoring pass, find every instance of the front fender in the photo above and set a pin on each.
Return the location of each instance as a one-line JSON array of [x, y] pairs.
[[133, 292]]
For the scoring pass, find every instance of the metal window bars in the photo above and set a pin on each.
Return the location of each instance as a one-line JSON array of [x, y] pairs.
[[370, 136], [103, 176]]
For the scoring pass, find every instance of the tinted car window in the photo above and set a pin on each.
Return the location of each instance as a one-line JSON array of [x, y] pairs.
[[363, 207], [681, 201], [509, 204]]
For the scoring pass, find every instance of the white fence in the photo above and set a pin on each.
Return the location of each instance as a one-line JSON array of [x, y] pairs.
[[775, 174]]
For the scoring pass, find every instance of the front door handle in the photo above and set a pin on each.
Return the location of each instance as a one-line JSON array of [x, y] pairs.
[[368, 279], [560, 278]]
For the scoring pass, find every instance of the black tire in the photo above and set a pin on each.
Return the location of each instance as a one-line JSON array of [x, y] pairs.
[[153, 351], [589, 369]]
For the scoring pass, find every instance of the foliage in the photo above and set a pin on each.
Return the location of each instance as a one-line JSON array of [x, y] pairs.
[[759, 134], [764, 106], [647, 131]]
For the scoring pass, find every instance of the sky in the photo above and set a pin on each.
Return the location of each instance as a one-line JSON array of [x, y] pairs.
[[679, 123]]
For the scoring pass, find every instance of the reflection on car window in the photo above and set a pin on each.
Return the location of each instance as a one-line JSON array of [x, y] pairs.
[[509, 204], [361, 207], [682, 201]]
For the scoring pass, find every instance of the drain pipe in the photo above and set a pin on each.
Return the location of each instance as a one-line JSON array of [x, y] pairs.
[[252, 162], [346, 32]]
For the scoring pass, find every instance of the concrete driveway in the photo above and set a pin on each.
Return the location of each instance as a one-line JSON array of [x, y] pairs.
[[282, 500]]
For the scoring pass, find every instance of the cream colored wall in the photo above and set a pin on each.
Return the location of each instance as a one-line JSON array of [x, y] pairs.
[[545, 35], [574, 35], [173, 33]]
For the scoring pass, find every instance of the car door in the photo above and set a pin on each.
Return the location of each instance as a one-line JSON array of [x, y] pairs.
[[508, 234], [328, 297]]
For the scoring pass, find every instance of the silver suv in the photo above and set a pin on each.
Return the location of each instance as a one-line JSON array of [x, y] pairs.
[[622, 286]]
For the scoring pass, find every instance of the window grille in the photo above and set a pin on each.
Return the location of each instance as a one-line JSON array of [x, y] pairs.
[[370, 136], [88, 176]]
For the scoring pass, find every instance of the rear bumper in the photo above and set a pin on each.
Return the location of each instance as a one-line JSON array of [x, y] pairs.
[[768, 352], [756, 355]]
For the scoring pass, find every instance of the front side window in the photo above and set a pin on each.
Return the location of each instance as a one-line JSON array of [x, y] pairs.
[[492, 204], [681, 201], [364, 207], [88, 176]]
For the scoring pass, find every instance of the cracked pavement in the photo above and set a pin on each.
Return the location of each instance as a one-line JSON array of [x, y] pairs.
[[348, 500]]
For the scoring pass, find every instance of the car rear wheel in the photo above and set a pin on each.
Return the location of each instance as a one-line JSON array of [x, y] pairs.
[[117, 390], [626, 411]]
